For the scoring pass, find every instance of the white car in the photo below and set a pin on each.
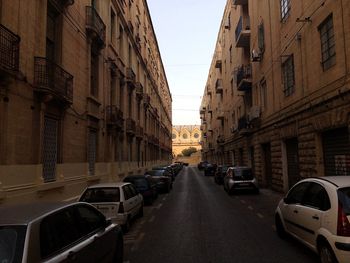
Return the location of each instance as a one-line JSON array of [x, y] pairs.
[[316, 211], [120, 202]]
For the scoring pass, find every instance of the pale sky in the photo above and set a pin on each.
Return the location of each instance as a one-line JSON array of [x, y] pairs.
[[186, 32]]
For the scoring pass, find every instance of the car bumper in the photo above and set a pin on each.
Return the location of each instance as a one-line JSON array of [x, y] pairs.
[[341, 247], [252, 185]]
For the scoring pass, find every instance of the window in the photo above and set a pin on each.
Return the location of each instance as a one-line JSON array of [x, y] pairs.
[[94, 74], [297, 193], [89, 220], [285, 8], [184, 136], [261, 38], [317, 197], [51, 33], [127, 192], [327, 43], [92, 151], [174, 136], [288, 76], [196, 135], [112, 26]]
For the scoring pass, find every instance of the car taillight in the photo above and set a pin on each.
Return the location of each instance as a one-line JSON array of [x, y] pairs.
[[121, 208], [343, 227]]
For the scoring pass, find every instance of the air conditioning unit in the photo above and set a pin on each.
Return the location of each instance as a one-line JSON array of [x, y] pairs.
[[256, 55]]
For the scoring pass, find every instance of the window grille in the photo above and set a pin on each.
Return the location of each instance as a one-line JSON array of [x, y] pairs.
[[50, 147], [327, 43], [285, 8], [288, 76]]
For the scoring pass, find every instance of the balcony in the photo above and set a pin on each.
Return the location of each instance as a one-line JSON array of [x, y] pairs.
[[114, 118], [95, 28], [130, 127], [240, 2], [139, 90], [244, 77], [146, 100], [242, 32], [220, 115], [130, 78], [139, 132], [61, 4], [244, 126], [51, 79], [9, 50], [220, 140], [218, 86], [254, 113]]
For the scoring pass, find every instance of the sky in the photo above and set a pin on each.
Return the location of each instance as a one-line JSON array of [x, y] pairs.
[[186, 32]]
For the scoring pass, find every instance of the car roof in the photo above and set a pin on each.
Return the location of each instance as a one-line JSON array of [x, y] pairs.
[[136, 176], [23, 214], [339, 181], [108, 185]]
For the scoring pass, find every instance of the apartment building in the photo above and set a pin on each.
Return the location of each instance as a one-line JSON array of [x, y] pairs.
[[83, 96], [277, 95]]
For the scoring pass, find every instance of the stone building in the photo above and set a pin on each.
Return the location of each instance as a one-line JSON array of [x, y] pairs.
[[277, 96], [185, 136], [83, 96]]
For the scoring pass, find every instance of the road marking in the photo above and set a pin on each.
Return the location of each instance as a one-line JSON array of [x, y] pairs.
[[250, 208], [151, 219], [242, 201], [260, 215], [159, 206]]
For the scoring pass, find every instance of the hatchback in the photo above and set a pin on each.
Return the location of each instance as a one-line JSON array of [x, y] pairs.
[[240, 178], [120, 202], [58, 232], [316, 211]]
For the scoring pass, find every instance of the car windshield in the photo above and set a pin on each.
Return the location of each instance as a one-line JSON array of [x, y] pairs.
[[344, 199], [101, 195], [12, 243], [156, 172], [243, 174]]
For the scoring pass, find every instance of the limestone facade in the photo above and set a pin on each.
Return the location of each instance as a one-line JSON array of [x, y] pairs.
[[277, 96], [185, 136], [83, 96]]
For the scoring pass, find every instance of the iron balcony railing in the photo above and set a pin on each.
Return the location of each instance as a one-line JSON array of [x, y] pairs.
[[243, 72], [9, 50], [114, 117], [95, 25], [130, 126], [139, 90], [51, 78]]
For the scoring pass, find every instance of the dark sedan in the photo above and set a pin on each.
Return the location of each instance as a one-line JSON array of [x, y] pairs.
[[210, 169], [163, 180], [146, 185], [58, 232]]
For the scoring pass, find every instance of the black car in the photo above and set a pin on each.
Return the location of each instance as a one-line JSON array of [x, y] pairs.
[[202, 165], [210, 169], [220, 174], [145, 185], [163, 180], [169, 171]]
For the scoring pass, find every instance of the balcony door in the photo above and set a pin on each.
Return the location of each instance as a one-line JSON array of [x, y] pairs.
[[50, 148]]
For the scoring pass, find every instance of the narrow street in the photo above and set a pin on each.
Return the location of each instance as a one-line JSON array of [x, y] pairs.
[[198, 222]]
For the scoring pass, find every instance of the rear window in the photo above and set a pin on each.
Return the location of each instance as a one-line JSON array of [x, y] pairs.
[[344, 199], [12, 243], [156, 172], [140, 184], [101, 195], [243, 174]]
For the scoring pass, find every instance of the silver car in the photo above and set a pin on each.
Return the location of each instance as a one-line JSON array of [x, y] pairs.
[[58, 232], [240, 178]]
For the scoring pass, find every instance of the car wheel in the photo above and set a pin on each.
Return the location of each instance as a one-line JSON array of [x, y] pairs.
[[326, 253], [281, 232], [119, 251]]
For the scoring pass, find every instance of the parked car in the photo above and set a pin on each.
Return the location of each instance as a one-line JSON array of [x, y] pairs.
[[120, 202], [169, 171], [163, 180], [316, 211], [210, 169], [58, 232], [240, 178], [220, 174], [146, 185], [202, 165], [177, 167]]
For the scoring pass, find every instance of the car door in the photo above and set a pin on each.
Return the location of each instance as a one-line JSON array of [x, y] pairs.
[[92, 224], [136, 197], [128, 202], [314, 204], [291, 206], [61, 240]]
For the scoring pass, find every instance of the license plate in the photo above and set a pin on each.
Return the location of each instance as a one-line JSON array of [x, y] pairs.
[[244, 184]]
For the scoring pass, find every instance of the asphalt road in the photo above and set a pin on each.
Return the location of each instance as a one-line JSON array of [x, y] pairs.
[[198, 222]]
